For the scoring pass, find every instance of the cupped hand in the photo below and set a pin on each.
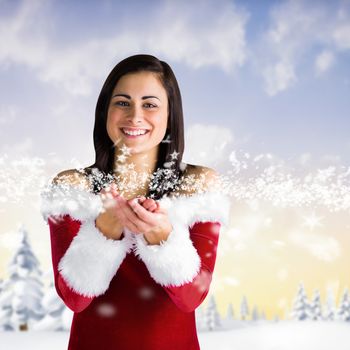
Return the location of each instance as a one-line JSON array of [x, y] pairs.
[[139, 215], [149, 218]]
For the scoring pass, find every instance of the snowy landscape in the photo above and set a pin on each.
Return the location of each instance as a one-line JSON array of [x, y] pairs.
[[284, 335], [34, 317]]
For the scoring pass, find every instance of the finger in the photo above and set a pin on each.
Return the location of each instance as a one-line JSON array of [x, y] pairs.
[[141, 212], [114, 189], [148, 203], [153, 207], [130, 217]]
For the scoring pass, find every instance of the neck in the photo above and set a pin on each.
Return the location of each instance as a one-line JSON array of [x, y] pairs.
[[133, 171]]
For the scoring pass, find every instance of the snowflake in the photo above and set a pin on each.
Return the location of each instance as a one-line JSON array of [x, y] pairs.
[[174, 155]]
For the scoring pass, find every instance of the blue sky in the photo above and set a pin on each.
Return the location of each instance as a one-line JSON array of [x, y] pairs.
[[274, 74]]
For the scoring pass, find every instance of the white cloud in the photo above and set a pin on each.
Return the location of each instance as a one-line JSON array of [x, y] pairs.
[[8, 114], [206, 144], [324, 61], [342, 37], [331, 159], [292, 28], [297, 29], [304, 158], [279, 77], [21, 147], [231, 281], [179, 31], [323, 247]]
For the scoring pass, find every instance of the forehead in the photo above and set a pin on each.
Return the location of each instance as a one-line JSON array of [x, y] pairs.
[[140, 83]]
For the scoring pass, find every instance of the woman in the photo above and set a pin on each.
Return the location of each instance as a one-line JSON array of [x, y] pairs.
[[134, 236]]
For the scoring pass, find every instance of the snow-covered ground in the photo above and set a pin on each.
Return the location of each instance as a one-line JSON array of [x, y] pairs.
[[284, 335]]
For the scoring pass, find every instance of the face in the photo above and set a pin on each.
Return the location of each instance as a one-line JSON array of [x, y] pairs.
[[138, 112]]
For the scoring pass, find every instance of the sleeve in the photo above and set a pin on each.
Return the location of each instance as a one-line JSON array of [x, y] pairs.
[[62, 233], [84, 260], [183, 264], [205, 237]]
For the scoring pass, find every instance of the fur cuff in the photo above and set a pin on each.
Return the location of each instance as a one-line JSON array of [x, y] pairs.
[[176, 261], [92, 260], [200, 207], [173, 262], [61, 199]]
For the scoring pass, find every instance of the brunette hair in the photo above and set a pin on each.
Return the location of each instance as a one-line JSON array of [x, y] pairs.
[[166, 178]]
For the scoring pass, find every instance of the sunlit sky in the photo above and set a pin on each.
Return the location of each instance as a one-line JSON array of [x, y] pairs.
[[263, 82]]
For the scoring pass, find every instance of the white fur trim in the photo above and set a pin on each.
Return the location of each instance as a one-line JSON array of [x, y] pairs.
[[92, 260], [175, 261], [172, 262], [200, 207], [61, 199]]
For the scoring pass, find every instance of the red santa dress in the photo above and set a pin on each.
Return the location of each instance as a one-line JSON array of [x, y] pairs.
[[126, 294]]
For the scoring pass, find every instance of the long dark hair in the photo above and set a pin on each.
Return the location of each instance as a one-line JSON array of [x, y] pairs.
[[165, 179]]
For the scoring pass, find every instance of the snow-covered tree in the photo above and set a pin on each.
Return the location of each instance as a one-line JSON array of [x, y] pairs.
[[315, 307], [200, 319], [255, 313], [343, 312], [55, 312], [67, 318], [330, 308], [300, 310], [244, 308], [263, 316], [24, 285], [212, 316], [230, 314], [5, 309]]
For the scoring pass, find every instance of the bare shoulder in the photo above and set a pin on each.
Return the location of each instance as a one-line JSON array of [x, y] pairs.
[[201, 171], [72, 177], [198, 178]]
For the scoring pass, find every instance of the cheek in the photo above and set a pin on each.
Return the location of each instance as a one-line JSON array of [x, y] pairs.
[[112, 116], [111, 122]]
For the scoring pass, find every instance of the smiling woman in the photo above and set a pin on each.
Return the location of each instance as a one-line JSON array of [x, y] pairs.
[[134, 121], [134, 236]]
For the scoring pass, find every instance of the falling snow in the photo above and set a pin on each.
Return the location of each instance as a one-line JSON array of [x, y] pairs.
[[248, 178]]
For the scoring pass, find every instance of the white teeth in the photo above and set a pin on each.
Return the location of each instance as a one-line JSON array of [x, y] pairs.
[[134, 133]]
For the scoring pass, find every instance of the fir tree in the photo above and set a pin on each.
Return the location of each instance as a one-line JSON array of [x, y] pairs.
[[343, 313], [315, 307], [200, 319], [24, 285], [212, 316], [330, 309], [255, 313], [301, 307], [230, 314], [244, 308], [276, 318], [55, 308], [5, 309]]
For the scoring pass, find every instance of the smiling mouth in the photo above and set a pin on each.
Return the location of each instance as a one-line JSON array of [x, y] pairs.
[[134, 134]]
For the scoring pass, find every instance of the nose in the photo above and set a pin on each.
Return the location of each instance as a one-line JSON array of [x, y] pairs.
[[135, 115]]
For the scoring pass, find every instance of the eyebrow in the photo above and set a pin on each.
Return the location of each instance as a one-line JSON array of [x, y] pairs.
[[127, 96]]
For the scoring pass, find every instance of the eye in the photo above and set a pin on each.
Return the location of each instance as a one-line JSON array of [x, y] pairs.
[[150, 104], [120, 103]]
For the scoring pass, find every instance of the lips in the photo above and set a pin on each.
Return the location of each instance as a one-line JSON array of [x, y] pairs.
[[134, 130]]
